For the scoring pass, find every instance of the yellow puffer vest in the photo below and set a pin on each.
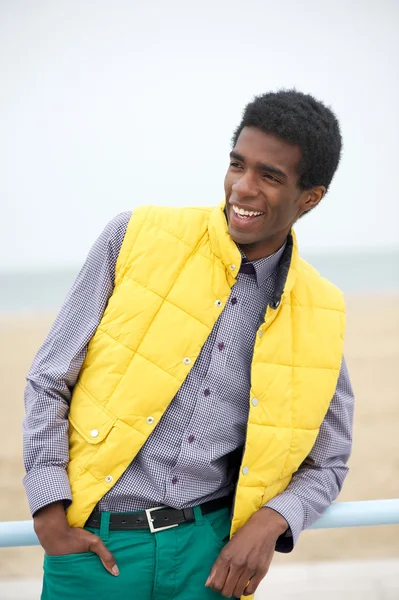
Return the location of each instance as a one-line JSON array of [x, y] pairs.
[[173, 277]]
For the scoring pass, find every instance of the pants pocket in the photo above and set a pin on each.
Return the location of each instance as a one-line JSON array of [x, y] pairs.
[[66, 557], [218, 524], [71, 576]]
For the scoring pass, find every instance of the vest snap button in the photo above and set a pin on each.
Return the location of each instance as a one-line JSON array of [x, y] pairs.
[[109, 479], [218, 303], [245, 471], [187, 361], [150, 420], [260, 333], [255, 401], [94, 432], [232, 267]]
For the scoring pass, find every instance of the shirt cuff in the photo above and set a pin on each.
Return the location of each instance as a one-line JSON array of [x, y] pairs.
[[290, 507], [46, 485]]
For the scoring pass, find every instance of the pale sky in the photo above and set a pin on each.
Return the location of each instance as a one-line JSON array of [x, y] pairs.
[[108, 105]]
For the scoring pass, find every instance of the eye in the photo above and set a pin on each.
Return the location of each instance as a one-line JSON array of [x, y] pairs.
[[235, 165], [270, 177]]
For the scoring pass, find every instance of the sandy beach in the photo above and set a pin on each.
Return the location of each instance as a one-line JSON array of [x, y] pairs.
[[372, 352]]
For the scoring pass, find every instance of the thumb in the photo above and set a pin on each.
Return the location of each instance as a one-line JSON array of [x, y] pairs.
[[107, 558]]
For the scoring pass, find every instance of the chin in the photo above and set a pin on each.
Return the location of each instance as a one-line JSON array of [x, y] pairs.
[[240, 237]]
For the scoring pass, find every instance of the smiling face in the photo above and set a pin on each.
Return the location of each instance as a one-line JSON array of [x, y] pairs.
[[263, 197]]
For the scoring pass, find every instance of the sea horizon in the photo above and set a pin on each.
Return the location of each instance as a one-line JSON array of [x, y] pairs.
[[44, 290]]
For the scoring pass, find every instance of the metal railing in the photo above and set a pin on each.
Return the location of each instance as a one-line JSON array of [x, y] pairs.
[[340, 514]]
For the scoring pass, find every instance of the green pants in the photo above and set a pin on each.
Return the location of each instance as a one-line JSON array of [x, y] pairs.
[[169, 565]]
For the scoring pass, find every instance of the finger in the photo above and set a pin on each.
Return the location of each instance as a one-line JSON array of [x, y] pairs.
[[234, 576], [253, 585], [211, 575], [242, 583], [218, 575], [105, 555]]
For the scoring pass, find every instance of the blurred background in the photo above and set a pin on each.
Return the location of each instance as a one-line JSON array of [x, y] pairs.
[[108, 105]]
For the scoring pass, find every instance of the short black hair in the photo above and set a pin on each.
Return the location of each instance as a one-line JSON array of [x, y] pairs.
[[301, 120]]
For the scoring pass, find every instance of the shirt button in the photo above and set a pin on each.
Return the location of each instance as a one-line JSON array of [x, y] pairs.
[[207, 392], [94, 432], [150, 420], [109, 479], [255, 401], [191, 438], [245, 471], [187, 361], [221, 346], [219, 303], [234, 301], [174, 480]]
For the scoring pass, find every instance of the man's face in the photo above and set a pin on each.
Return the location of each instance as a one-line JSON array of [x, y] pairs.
[[262, 178]]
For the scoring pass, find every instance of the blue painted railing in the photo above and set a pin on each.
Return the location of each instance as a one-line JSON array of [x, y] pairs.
[[340, 514]]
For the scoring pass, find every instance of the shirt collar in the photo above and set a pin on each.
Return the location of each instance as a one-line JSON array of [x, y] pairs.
[[264, 267]]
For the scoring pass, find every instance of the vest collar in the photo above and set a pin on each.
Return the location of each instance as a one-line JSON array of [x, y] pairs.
[[222, 244], [287, 271], [224, 247]]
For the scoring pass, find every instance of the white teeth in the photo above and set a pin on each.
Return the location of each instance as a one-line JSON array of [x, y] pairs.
[[247, 213]]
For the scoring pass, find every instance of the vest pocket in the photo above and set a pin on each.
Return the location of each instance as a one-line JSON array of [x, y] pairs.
[[91, 420], [99, 442]]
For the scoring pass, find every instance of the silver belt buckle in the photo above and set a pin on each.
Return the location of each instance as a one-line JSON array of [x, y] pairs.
[[150, 520]]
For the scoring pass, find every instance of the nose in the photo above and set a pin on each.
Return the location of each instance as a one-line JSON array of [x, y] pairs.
[[245, 187]]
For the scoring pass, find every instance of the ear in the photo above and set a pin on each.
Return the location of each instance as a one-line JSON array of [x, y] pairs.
[[311, 198]]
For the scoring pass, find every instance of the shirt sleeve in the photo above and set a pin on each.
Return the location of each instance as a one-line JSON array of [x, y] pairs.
[[56, 367], [319, 479]]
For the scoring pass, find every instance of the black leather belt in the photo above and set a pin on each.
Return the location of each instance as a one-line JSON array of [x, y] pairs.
[[158, 518]]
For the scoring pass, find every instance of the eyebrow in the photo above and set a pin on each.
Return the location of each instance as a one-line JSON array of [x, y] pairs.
[[269, 168]]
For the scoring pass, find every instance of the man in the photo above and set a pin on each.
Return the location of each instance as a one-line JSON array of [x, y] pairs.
[[196, 365]]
